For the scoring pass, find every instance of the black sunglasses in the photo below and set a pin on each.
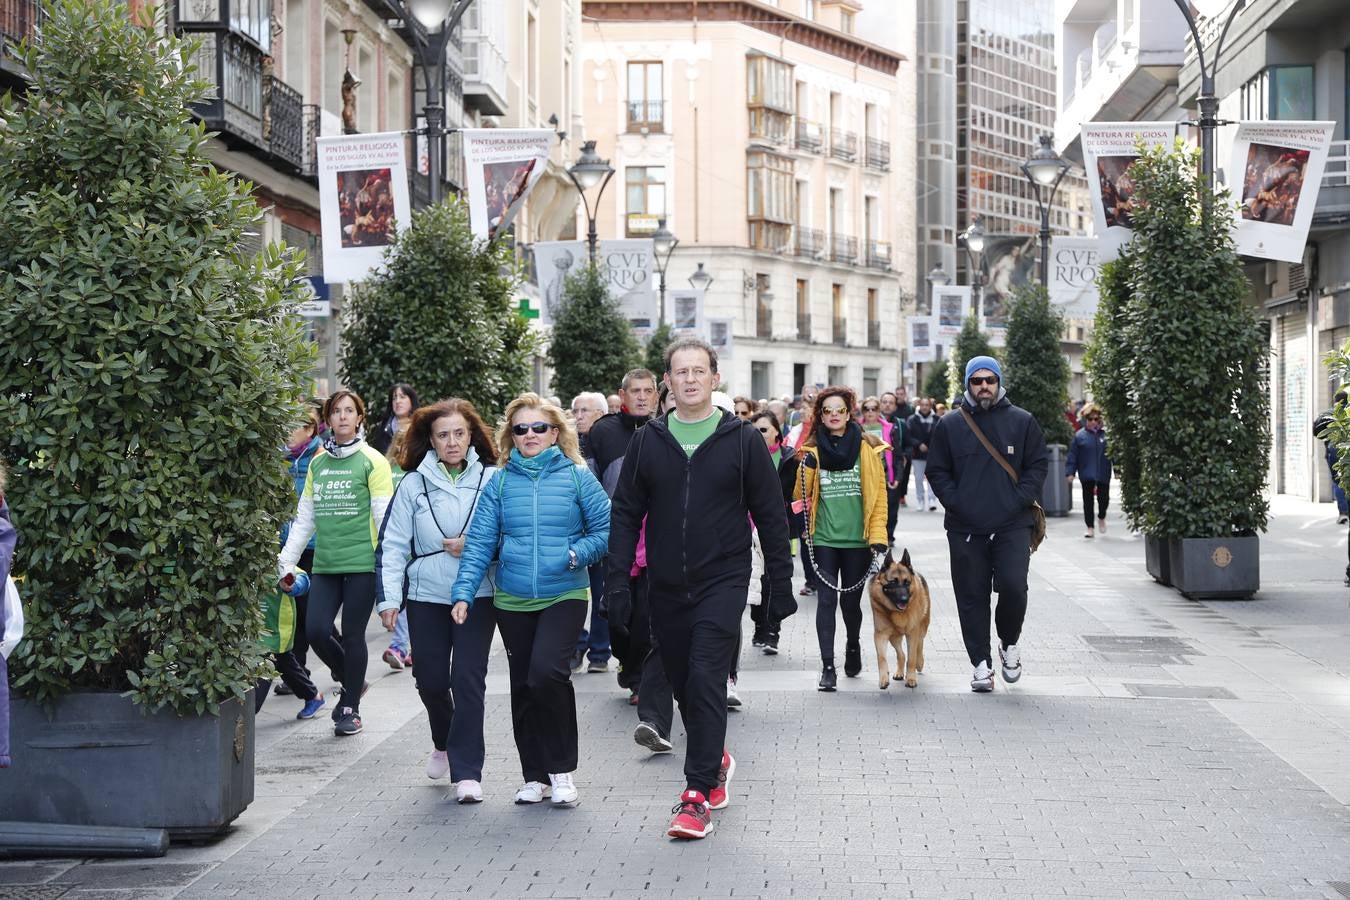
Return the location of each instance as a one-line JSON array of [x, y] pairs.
[[871, 408], [764, 429], [984, 379], [537, 427], [1094, 418]]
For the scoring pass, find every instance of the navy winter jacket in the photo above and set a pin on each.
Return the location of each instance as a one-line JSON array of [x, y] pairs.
[[1087, 456]]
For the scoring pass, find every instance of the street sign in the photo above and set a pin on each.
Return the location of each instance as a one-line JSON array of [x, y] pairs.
[[316, 304]]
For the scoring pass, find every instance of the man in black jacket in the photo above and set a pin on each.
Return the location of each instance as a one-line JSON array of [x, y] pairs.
[[698, 475], [989, 517]]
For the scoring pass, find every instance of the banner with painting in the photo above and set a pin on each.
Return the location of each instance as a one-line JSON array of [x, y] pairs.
[[719, 335], [363, 200], [1280, 165], [1073, 276], [1109, 149], [626, 265], [684, 308], [921, 346], [1009, 263], [501, 167], [951, 305]]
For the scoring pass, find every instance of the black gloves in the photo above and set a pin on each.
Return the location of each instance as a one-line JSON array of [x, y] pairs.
[[782, 601], [617, 606], [879, 549]]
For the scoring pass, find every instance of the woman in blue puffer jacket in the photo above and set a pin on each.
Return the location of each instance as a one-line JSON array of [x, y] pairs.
[[1087, 457], [447, 452], [545, 519]]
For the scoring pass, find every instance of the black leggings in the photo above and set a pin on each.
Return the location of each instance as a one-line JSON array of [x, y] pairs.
[[844, 566], [354, 594], [539, 648], [1102, 489]]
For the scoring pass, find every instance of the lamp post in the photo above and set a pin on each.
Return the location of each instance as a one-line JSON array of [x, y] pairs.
[[1206, 100], [1045, 169], [430, 58], [973, 238], [663, 244], [587, 172], [700, 280]]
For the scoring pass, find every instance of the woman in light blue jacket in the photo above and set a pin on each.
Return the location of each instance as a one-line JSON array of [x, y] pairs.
[[545, 519], [449, 458]]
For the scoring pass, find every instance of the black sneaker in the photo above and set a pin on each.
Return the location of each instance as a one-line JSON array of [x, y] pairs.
[[349, 722], [771, 645], [828, 678], [757, 640], [578, 660], [647, 735], [283, 690], [852, 659], [337, 710]]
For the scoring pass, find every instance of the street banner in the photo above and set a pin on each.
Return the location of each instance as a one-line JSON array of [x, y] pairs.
[[921, 348], [1073, 276], [1281, 165], [719, 335], [1109, 149], [951, 305], [685, 310], [625, 264], [501, 166], [363, 200], [1010, 262]]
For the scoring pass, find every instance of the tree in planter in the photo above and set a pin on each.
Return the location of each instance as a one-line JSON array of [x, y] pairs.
[[1035, 368], [592, 346], [655, 354], [1197, 360], [441, 316], [1105, 358], [937, 383], [969, 343], [149, 373]]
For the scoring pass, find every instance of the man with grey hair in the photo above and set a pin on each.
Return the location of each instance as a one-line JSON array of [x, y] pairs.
[[587, 408]]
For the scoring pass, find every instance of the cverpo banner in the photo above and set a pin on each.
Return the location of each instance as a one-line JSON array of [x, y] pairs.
[[501, 167], [363, 201], [626, 265], [1281, 165], [1073, 275], [951, 305], [921, 347], [1109, 149]]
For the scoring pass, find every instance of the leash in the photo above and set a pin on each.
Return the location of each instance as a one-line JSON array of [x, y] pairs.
[[872, 568]]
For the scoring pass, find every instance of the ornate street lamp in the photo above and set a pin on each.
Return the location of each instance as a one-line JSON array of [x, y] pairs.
[[973, 239], [429, 56], [663, 244], [700, 280], [1205, 100], [586, 173], [1045, 169]]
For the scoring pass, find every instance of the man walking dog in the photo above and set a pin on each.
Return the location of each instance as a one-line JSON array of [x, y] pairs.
[[977, 451]]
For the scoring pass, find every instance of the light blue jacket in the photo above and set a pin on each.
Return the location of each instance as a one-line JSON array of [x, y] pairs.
[[534, 514], [427, 507]]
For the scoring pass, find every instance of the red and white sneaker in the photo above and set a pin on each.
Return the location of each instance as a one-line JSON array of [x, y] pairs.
[[693, 818], [720, 798]]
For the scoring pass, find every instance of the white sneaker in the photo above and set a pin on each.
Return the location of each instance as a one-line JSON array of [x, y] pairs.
[[469, 791], [532, 792], [438, 766], [1011, 658], [982, 682], [1101, 525], [564, 791], [733, 698]]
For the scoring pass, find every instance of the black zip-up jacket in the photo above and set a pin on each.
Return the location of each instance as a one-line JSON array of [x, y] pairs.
[[977, 494], [698, 532], [788, 463], [608, 439], [916, 433]]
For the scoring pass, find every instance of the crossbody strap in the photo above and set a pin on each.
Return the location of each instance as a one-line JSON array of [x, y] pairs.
[[1007, 467]]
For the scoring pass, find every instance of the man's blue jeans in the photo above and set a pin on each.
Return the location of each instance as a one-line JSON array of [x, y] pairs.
[[595, 642]]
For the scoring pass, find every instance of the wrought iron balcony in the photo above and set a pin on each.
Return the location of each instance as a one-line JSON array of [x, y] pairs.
[[808, 242], [18, 20], [878, 154], [310, 114], [808, 135], [284, 122], [839, 333], [879, 255], [646, 116], [843, 248], [803, 326], [843, 144]]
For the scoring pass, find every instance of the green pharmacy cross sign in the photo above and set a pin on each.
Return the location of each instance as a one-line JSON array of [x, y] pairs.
[[525, 311]]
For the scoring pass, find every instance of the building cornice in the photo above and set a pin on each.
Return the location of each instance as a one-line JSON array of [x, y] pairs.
[[754, 15]]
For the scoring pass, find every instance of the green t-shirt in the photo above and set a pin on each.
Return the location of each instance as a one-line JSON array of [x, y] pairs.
[[839, 520], [512, 603], [873, 429], [345, 531], [395, 474], [690, 435], [777, 457]]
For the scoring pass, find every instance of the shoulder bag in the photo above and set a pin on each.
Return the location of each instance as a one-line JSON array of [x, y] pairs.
[[1037, 511]]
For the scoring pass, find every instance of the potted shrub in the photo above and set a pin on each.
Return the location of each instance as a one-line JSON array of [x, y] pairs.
[[592, 345], [1192, 362], [149, 374], [1037, 376]]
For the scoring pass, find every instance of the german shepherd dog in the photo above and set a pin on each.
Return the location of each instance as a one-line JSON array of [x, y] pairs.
[[901, 610]]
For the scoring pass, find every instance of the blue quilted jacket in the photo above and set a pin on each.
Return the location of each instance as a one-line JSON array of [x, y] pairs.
[[529, 518]]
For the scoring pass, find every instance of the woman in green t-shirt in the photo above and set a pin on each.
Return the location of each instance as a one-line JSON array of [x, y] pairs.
[[346, 493]]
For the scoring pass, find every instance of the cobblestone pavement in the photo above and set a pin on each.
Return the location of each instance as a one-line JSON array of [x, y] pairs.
[[1157, 747]]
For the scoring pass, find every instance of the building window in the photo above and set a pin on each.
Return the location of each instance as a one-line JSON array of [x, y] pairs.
[[1279, 92], [645, 190], [761, 375], [839, 325], [253, 19], [846, 22], [770, 192], [837, 375], [871, 382], [646, 107], [803, 310], [763, 307], [873, 320], [770, 83], [809, 9]]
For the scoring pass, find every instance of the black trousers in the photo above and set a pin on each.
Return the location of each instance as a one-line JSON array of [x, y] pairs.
[[904, 477], [893, 495], [539, 648], [1102, 491], [354, 595], [450, 665], [845, 567], [631, 646], [766, 626], [982, 563], [301, 646], [292, 673], [698, 636]]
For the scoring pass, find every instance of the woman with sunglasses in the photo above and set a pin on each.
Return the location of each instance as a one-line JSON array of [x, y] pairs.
[[446, 451], [785, 460], [545, 518], [1087, 457], [744, 407], [882, 428], [842, 480]]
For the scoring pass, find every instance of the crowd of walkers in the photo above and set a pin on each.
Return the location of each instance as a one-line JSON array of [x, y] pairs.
[[637, 527]]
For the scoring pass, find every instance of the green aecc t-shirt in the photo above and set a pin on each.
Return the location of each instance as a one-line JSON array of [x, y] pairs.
[[345, 532], [839, 521]]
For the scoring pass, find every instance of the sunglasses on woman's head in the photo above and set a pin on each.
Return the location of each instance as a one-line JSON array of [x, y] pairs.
[[537, 427]]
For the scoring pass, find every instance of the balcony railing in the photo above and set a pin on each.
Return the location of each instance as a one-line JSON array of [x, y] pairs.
[[284, 122], [878, 154], [843, 248], [808, 242], [808, 136], [646, 116], [874, 335], [879, 255], [309, 163], [803, 326], [843, 144], [839, 333], [18, 20]]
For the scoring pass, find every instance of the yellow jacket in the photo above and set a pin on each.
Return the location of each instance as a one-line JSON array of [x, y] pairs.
[[872, 470]]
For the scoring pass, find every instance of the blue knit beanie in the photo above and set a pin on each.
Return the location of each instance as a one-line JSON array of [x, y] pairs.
[[982, 362]]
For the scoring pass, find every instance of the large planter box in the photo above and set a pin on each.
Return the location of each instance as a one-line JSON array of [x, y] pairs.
[[1056, 498], [100, 761], [1157, 553], [1216, 568]]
